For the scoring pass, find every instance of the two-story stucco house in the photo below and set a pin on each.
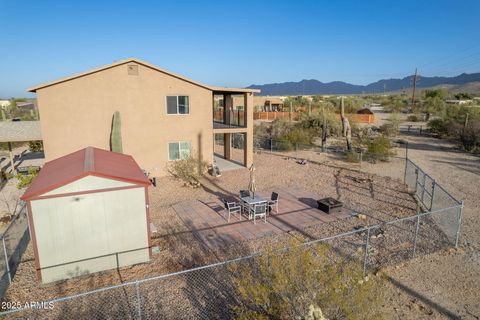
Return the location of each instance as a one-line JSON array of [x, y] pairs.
[[164, 116]]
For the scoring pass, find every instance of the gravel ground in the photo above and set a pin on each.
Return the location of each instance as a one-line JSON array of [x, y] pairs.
[[379, 198], [443, 285], [437, 285]]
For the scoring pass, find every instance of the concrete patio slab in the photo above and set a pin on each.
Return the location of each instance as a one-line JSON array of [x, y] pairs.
[[208, 221]]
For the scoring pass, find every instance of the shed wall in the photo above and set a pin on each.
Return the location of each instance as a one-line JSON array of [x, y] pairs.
[[85, 227], [88, 183]]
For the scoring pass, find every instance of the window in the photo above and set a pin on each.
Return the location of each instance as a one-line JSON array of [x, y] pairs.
[[178, 150], [177, 105]]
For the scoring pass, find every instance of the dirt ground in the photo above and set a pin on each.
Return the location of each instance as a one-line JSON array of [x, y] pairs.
[[443, 285], [379, 198]]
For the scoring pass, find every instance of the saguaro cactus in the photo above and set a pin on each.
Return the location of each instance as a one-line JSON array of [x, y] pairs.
[[347, 130], [116, 134]]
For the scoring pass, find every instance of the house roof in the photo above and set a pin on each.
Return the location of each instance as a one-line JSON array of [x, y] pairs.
[[364, 111], [27, 104], [85, 162], [19, 131], [148, 65]]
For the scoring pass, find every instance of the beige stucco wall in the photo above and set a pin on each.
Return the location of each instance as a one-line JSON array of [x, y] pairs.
[[85, 226], [78, 113]]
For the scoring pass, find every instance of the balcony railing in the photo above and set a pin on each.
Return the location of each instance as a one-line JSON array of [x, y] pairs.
[[235, 118]]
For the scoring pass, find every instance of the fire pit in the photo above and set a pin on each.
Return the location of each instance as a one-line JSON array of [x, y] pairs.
[[330, 205]]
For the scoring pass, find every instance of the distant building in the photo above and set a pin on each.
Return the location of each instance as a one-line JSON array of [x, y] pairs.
[[268, 103], [27, 105], [458, 101], [364, 111]]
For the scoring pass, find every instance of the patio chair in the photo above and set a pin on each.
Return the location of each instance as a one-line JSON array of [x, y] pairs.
[[273, 202], [259, 210], [244, 193], [231, 208], [244, 205]]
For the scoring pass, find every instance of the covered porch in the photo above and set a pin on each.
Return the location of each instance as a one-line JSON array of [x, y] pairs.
[[233, 127]]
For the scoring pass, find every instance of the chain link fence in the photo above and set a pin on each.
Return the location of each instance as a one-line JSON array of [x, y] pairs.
[[14, 241], [315, 153], [209, 292]]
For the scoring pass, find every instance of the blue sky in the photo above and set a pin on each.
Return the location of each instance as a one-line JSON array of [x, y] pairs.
[[238, 43]]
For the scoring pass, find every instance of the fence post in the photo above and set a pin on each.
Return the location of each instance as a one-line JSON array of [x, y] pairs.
[[416, 235], [416, 181], [7, 264], [365, 258], [406, 163], [296, 150], [433, 194], [423, 187], [271, 145], [458, 226], [116, 256], [138, 300]]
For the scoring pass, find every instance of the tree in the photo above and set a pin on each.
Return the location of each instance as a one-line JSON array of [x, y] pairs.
[[116, 134], [463, 96]]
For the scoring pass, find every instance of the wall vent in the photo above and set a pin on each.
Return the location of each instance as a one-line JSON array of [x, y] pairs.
[[132, 69]]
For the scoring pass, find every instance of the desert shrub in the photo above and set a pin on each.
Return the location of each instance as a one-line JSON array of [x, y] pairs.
[[280, 127], [413, 118], [288, 284], [35, 146], [470, 136], [438, 126], [388, 129], [316, 120], [260, 130], [25, 180], [379, 148], [298, 136], [190, 170], [354, 157]]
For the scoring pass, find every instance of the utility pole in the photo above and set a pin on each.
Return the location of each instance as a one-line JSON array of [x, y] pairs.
[[415, 78], [384, 88]]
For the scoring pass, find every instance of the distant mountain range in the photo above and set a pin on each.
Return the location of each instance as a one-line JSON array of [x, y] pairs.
[[311, 87]]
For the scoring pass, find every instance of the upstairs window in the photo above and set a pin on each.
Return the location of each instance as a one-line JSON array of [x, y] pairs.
[[178, 105]]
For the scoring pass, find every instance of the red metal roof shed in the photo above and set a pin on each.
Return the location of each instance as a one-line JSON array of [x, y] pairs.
[[88, 161], [77, 165]]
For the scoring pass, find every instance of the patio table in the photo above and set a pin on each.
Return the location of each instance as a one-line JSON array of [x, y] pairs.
[[250, 201]]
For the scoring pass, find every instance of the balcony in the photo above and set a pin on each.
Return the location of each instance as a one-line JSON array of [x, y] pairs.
[[229, 119]]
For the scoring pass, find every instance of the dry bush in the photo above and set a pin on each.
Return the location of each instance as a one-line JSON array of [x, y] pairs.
[[287, 284], [190, 170], [25, 180]]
